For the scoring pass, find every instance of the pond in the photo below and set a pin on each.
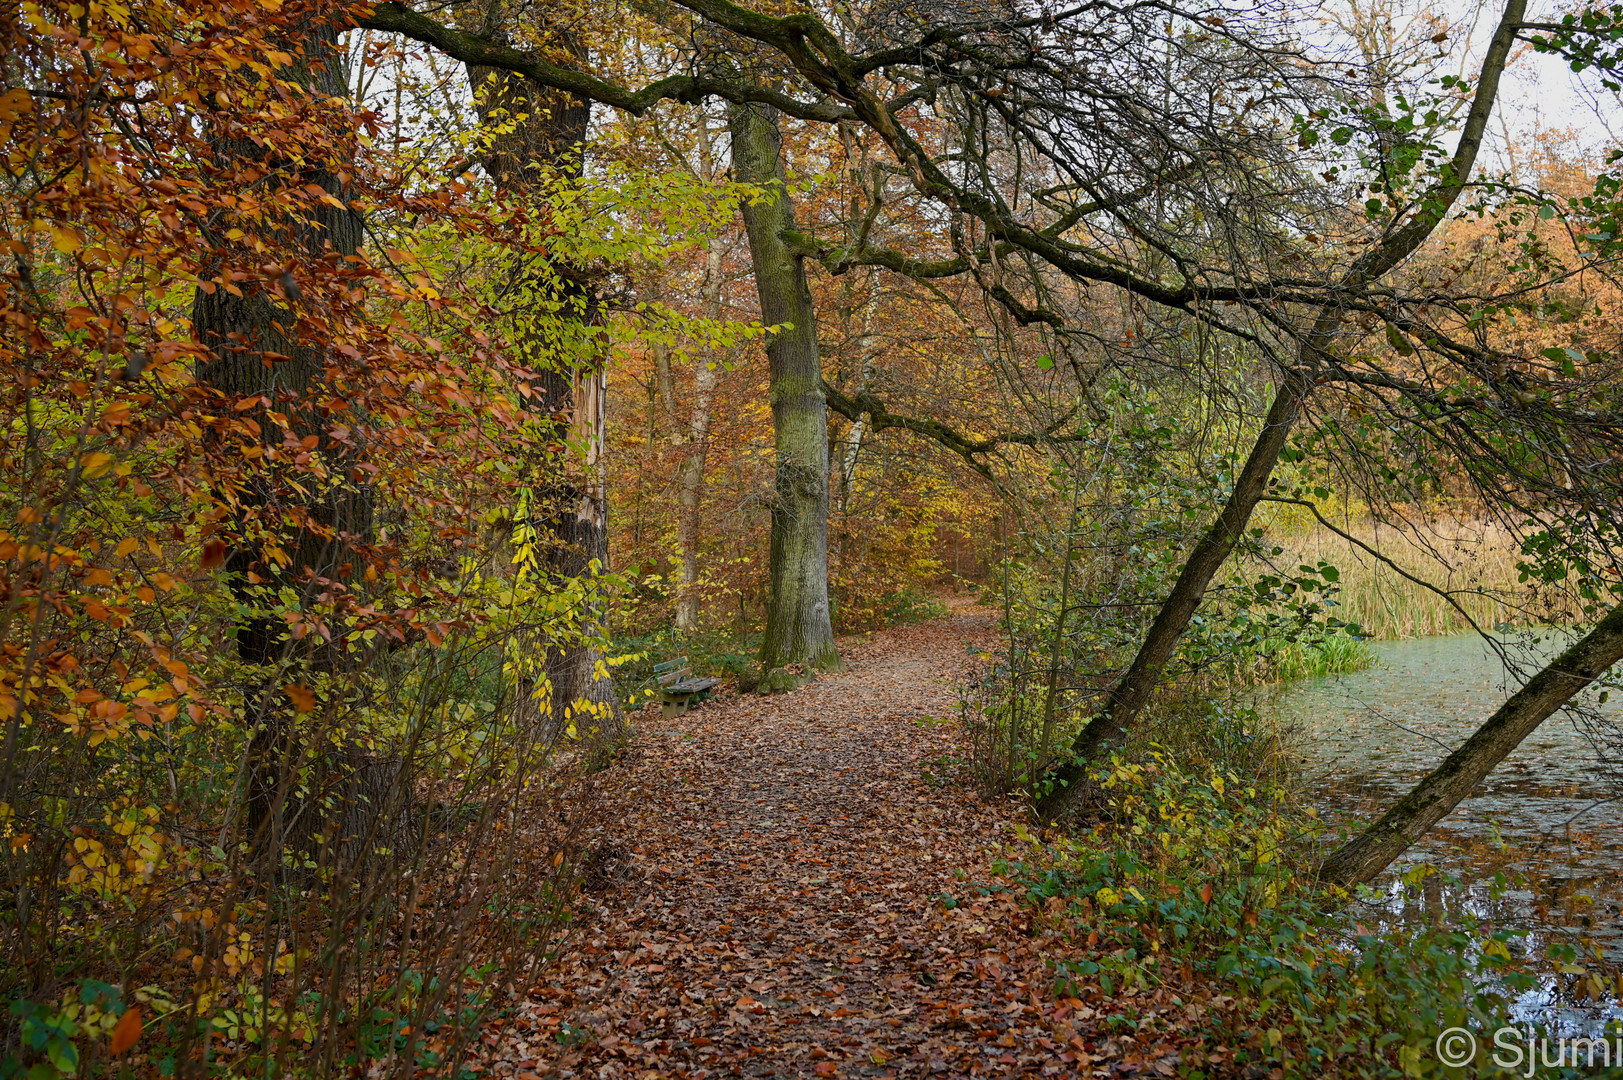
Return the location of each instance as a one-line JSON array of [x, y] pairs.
[[1551, 813]]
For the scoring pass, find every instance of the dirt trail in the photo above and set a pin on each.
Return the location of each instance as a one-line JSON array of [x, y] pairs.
[[771, 904]]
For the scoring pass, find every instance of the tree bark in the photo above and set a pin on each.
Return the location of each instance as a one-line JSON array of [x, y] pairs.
[[847, 449], [799, 630], [690, 478], [1109, 727], [255, 348], [541, 128], [1448, 784]]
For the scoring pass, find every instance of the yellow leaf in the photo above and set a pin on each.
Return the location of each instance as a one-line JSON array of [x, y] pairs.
[[67, 241], [14, 103], [127, 545], [95, 464]]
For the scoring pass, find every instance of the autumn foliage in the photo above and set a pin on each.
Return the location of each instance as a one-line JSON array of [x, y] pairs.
[[247, 553], [304, 396]]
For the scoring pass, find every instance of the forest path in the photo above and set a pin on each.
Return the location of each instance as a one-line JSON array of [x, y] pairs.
[[770, 904]]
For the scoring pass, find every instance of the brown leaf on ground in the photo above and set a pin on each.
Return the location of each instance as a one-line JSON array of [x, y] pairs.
[[777, 914]]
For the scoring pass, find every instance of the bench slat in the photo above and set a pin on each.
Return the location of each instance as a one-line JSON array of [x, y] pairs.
[[692, 686], [679, 689]]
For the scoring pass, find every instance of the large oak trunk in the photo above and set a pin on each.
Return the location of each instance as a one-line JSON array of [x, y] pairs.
[[799, 630]]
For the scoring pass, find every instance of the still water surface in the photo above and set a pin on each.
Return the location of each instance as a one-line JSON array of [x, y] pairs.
[[1552, 813]]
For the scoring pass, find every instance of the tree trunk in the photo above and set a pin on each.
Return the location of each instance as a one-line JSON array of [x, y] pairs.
[[254, 348], [1108, 729], [690, 478], [1449, 783], [798, 630], [534, 128], [849, 445]]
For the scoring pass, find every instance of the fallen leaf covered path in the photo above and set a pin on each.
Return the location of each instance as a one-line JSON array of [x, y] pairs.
[[770, 902]]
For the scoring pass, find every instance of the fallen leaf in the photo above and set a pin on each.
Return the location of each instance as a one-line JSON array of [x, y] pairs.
[[126, 1031]]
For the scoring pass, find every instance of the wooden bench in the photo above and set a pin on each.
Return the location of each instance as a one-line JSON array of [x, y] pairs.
[[679, 689]]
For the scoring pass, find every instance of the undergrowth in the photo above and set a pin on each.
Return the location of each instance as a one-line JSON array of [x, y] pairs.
[[1203, 883], [721, 651]]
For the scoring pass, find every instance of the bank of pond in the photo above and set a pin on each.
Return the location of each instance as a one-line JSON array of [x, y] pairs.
[[1537, 848]]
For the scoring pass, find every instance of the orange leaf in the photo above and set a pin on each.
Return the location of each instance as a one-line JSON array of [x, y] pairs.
[[127, 1030], [824, 1068], [1206, 893], [304, 699]]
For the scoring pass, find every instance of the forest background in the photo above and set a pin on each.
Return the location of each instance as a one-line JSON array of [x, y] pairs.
[[391, 389]]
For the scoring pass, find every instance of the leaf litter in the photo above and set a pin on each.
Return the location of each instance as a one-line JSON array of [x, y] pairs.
[[777, 900]]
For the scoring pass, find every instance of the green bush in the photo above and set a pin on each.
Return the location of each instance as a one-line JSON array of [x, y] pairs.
[[1211, 877]]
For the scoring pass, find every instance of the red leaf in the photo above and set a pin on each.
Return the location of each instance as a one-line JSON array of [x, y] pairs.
[[213, 554]]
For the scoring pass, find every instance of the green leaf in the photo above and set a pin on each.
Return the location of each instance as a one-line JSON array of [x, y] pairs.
[[64, 1055], [1395, 338], [1045, 362]]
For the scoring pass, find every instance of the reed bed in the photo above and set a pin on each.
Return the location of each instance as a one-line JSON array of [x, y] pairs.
[[1473, 562]]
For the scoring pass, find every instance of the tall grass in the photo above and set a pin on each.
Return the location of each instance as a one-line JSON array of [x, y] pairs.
[[1335, 655], [1473, 562]]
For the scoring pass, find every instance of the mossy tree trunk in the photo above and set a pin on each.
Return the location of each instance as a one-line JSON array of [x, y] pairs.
[[799, 631]]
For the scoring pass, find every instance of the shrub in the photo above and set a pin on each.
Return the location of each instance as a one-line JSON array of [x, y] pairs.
[[1208, 879]]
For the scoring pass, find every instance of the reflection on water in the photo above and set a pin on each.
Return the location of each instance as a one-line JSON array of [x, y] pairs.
[[1552, 812]]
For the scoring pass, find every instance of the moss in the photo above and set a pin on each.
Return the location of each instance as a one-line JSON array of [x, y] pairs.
[[781, 681]]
